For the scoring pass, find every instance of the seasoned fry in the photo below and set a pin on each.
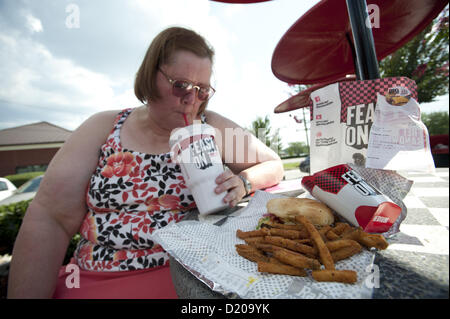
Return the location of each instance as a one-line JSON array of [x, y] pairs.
[[275, 261], [251, 253], [324, 253], [306, 241], [323, 231], [266, 247], [345, 252], [341, 228], [368, 240], [345, 276], [331, 235], [373, 240], [341, 243], [251, 240], [279, 268], [291, 234], [292, 245], [353, 234], [252, 233], [295, 259]]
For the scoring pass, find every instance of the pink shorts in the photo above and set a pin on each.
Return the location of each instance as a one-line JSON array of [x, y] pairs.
[[153, 283]]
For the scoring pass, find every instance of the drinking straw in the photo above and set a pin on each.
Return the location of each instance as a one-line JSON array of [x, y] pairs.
[[185, 119]]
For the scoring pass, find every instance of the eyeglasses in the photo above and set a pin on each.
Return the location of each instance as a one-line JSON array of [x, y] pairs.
[[182, 87]]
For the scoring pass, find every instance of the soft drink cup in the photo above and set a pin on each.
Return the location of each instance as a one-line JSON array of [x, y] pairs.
[[342, 189], [194, 148]]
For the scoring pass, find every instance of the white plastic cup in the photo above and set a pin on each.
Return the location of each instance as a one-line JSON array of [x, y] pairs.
[[194, 148]]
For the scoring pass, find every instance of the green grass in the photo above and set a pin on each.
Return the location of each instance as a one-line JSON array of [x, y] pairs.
[[290, 166]]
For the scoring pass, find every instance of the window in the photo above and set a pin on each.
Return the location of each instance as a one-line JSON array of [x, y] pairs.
[[3, 186], [30, 186], [31, 168]]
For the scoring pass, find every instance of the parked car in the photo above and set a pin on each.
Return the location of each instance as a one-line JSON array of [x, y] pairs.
[[304, 165], [26, 191], [6, 188]]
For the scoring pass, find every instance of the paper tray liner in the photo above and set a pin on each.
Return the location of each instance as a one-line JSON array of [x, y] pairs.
[[209, 253]]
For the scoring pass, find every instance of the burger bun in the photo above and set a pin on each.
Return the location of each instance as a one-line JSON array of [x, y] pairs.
[[288, 208]]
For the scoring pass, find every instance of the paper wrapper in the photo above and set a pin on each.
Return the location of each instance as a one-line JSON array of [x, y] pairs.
[[391, 184], [209, 253]]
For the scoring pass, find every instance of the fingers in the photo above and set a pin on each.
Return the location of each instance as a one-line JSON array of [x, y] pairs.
[[227, 174], [232, 184]]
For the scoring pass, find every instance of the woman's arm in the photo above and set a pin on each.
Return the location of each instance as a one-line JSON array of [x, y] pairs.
[[245, 155], [57, 211]]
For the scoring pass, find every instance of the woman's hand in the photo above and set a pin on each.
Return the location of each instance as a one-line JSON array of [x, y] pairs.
[[227, 181]]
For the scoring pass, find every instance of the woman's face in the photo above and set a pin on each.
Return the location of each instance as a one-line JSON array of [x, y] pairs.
[[184, 66]]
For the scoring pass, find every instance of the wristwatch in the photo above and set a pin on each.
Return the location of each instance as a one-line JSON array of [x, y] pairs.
[[247, 184]]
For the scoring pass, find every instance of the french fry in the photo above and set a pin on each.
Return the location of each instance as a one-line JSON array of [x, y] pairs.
[[251, 240], [295, 259], [306, 241], [251, 253], [344, 276], [324, 253], [323, 231], [373, 240], [331, 235], [340, 243], [290, 234], [367, 240], [351, 233], [279, 268], [266, 247], [292, 245], [340, 228], [345, 252], [252, 233]]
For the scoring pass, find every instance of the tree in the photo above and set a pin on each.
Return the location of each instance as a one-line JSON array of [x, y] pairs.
[[305, 120], [297, 148], [436, 122], [424, 59], [275, 142], [261, 129]]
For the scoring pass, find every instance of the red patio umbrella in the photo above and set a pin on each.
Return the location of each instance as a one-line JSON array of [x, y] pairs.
[[319, 47], [301, 99]]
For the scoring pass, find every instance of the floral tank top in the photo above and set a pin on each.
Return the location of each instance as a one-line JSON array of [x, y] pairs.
[[130, 194]]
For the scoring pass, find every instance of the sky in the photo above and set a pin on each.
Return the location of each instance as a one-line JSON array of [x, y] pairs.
[[62, 61]]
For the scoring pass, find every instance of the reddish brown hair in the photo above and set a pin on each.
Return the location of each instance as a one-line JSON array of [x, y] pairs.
[[160, 52]]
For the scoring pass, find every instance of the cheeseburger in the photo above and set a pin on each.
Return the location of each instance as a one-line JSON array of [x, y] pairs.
[[284, 210]]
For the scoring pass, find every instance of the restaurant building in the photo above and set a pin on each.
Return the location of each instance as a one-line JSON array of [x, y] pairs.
[[30, 148]]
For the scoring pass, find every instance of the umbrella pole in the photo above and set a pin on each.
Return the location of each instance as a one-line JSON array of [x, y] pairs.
[[355, 59], [366, 57]]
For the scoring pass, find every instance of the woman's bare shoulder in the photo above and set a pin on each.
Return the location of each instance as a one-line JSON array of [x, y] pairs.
[[98, 124], [104, 118]]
